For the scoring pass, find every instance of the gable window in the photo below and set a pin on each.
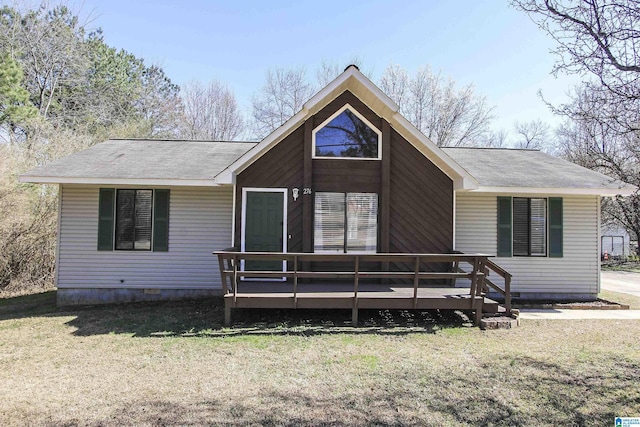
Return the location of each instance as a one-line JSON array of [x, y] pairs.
[[530, 226], [347, 134], [346, 222], [133, 219]]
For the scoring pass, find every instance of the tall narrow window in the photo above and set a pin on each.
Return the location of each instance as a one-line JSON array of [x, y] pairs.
[[346, 222], [347, 134], [133, 219], [529, 227]]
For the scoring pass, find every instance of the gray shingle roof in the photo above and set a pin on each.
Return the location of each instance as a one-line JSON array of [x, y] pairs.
[[147, 159], [191, 161], [495, 167]]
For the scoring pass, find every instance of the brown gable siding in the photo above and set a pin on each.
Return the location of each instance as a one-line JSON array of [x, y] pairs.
[[421, 202], [280, 167], [346, 97], [416, 194]]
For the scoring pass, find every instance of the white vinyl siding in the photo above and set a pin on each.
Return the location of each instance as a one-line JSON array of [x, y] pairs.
[[199, 223], [577, 271]]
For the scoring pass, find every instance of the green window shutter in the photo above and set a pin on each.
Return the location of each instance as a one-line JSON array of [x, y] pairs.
[[161, 221], [105, 219], [555, 227], [504, 226]]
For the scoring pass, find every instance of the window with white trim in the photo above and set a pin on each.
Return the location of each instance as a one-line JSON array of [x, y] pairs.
[[346, 222], [347, 134]]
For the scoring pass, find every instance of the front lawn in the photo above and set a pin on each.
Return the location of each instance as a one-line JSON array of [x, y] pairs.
[[173, 364]]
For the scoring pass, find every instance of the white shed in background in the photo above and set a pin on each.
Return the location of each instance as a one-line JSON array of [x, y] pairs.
[[614, 241]]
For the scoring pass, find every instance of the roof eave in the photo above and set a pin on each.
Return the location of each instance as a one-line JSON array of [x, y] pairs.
[[118, 181], [605, 192]]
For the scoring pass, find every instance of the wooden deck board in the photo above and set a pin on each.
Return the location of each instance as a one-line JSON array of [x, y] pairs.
[[337, 295]]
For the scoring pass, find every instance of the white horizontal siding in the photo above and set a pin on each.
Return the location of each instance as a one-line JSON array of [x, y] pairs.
[[199, 223], [576, 272]]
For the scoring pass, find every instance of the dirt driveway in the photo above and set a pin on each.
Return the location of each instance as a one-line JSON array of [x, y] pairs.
[[621, 281]]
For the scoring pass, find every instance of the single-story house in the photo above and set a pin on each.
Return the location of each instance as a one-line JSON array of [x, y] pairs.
[[348, 174]]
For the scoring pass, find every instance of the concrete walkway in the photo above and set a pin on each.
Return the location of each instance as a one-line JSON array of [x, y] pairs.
[[552, 314], [616, 281], [621, 281]]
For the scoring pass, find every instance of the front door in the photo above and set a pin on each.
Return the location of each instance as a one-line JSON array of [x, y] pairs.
[[264, 227]]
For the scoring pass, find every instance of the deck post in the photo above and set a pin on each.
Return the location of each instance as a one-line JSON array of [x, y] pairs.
[[227, 312], [477, 316], [356, 280], [295, 281], [507, 293], [475, 291], [235, 279], [416, 280]]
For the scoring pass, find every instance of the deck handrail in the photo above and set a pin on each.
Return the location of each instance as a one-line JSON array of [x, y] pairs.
[[506, 292], [231, 262]]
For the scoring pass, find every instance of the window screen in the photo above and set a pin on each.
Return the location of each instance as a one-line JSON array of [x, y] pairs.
[[133, 219], [329, 219], [529, 227], [362, 222], [346, 222]]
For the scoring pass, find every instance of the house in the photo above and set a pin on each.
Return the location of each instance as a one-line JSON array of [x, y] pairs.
[[615, 242], [348, 174]]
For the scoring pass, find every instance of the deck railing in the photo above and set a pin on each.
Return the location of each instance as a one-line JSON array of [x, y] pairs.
[[410, 269], [506, 276], [490, 266]]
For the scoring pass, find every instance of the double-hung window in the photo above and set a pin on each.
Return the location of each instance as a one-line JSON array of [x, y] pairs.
[[530, 226], [133, 219], [346, 222]]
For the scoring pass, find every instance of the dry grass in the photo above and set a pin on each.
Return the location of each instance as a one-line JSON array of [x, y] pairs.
[[632, 301], [172, 364]]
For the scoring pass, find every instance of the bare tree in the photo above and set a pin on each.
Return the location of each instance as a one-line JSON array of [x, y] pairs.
[[533, 134], [281, 97], [210, 112], [444, 113], [494, 139], [395, 83], [599, 39]]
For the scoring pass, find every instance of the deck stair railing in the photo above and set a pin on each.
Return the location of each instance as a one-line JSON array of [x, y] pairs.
[[490, 266]]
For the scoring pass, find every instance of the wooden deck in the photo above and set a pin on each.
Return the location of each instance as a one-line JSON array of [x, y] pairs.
[[352, 288]]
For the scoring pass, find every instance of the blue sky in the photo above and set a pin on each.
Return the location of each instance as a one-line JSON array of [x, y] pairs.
[[483, 42]]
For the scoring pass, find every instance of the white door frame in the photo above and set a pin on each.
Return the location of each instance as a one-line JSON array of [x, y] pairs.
[[243, 222]]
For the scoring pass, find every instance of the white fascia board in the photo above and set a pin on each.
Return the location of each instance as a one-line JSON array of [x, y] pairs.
[[119, 181], [347, 80], [227, 176], [606, 192]]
